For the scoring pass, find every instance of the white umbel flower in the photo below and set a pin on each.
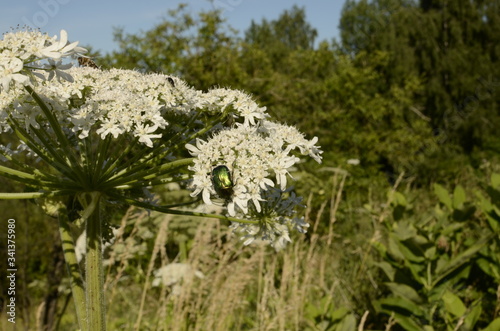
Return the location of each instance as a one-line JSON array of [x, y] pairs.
[[277, 219], [257, 157]]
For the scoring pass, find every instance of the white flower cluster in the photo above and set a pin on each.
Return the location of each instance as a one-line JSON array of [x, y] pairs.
[[24, 49], [258, 157], [111, 102], [277, 219]]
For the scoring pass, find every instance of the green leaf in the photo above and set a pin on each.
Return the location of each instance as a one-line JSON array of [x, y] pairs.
[[493, 326], [312, 311], [473, 315], [387, 268], [400, 199], [404, 230], [443, 195], [495, 180], [461, 259], [491, 269], [453, 304], [458, 197], [339, 314], [347, 324], [430, 253], [407, 322], [381, 249], [409, 251], [398, 304], [404, 291], [394, 247]]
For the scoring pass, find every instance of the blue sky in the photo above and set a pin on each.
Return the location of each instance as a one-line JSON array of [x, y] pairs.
[[91, 21]]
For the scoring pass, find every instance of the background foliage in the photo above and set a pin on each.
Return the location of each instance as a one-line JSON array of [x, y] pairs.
[[408, 239]]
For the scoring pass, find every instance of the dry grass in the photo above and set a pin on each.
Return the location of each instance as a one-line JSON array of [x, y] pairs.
[[243, 288]]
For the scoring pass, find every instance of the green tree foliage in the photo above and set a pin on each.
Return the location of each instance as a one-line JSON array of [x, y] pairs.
[[453, 49], [199, 50], [344, 99]]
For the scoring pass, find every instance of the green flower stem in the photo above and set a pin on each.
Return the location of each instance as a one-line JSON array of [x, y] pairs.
[[61, 140], [155, 182], [41, 182], [6, 171], [121, 161], [54, 123], [23, 166], [53, 158], [24, 195], [166, 210], [101, 158], [77, 288], [123, 179], [168, 167], [94, 271]]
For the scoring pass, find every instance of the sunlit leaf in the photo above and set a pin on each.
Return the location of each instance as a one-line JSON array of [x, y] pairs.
[[453, 304], [443, 195]]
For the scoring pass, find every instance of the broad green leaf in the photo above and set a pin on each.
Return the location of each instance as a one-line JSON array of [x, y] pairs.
[[400, 199], [407, 322], [404, 230], [339, 314], [485, 204], [393, 303], [453, 227], [381, 249], [387, 268], [410, 251], [443, 195], [458, 197], [495, 180], [473, 315], [436, 293], [491, 269], [421, 240], [430, 253], [312, 311], [417, 271], [461, 258], [493, 326], [404, 291], [347, 324], [394, 247], [453, 304], [493, 220]]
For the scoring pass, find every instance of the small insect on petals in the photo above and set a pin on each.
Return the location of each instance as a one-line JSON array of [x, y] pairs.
[[171, 81], [222, 181], [87, 62]]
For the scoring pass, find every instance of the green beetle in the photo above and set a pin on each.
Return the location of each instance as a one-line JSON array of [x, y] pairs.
[[223, 182]]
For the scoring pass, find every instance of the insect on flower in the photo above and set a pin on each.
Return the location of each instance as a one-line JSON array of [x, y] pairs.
[[171, 81], [87, 62], [223, 182]]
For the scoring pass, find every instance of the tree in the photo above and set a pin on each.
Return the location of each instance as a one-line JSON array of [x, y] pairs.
[[450, 45]]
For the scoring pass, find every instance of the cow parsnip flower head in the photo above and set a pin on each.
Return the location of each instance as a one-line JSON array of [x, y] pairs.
[[106, 137], [21, 51], [275, 221], [120, 132], [259, 158]]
